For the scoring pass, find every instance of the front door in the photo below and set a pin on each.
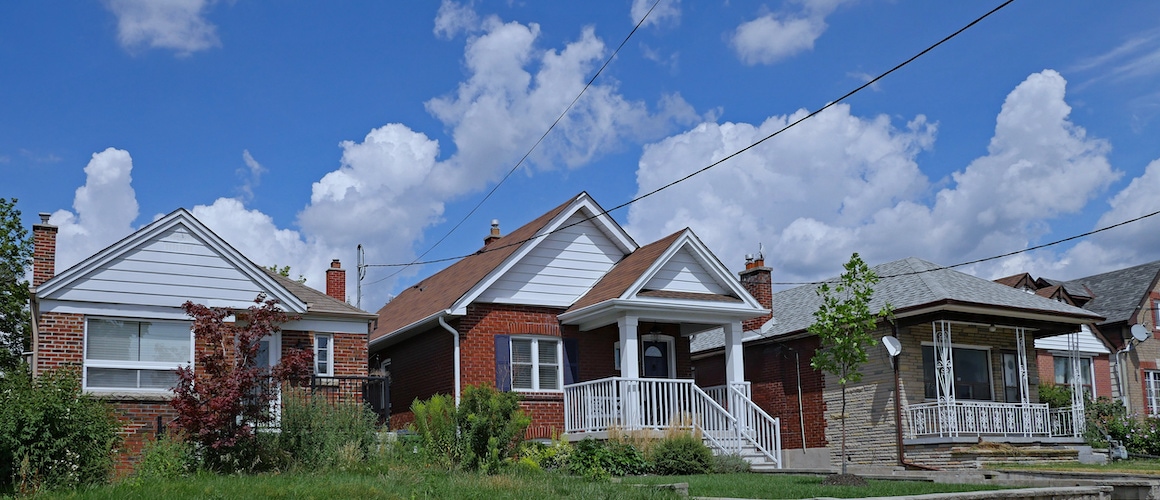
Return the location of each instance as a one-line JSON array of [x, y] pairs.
[[656, 359]]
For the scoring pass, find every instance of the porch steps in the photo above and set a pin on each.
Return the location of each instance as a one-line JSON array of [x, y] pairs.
[[758, 462]]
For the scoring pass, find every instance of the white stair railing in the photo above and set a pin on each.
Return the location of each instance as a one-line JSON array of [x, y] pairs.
[[627, 404]]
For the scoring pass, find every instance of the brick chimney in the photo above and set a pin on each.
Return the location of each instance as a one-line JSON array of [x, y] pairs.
[[336, 281], [494, 235], [43, 251], [757, 279]]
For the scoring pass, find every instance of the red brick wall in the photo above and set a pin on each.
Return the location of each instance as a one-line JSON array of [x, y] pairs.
[[1101, 364], [773, 380], [61, 341], [757, 281], [350, 354], [421, 366], [1046, 362], [139, 419], [336, 282]]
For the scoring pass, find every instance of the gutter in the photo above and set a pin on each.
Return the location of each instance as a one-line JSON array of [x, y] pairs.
[[455, 336]]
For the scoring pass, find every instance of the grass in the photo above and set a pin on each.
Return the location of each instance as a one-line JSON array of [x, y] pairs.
[[788, 486], [1133, 466], [417, 482], [397, 482]]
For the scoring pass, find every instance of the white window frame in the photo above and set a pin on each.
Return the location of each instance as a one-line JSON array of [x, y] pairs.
[[1152, 392], [536, 362], [1087, 361], [330, 353], [130, 365], [990, 370]]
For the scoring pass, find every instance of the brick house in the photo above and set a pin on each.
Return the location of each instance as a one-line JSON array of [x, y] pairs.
[[116, 316], [591, 328], [1054, 355], [1128, 299], [965, 370]]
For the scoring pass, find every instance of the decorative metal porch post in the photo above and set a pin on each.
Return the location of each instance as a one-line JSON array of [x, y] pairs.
[[1078, 420], [944, 373], [1024, 383]]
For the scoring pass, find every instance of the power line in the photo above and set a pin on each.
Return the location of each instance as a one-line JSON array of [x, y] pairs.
[[994, 257], [716, 163], [529, 152]]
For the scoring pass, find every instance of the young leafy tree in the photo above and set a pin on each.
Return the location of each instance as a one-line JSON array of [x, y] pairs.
[[15, 256], [843, 324], [284, 271], [218, 404]]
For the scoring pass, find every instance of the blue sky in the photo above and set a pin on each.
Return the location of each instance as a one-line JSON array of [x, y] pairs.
[[297, 130]]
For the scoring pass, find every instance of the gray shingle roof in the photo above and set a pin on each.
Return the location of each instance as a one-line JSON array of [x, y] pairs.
[[906, 284], [318, 302], [1116, 294]]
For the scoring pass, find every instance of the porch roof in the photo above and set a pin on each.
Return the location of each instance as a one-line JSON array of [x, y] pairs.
[[914, 287]]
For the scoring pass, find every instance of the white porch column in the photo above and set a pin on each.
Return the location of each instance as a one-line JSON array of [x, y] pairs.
[[629, 346], [734, 362], [629, 390]]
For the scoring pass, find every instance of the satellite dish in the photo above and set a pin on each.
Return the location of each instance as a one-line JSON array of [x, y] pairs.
[[1140, 333], [893, 346]]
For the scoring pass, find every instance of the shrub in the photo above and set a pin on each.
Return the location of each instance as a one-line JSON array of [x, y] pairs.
[[482, 434], [1107, 418], [492, 424], [597, 459], [52, 435], [317, 433], [436, 425], [729, 464], [165, 459], [682, 454], [548, 457], [1056, 396]]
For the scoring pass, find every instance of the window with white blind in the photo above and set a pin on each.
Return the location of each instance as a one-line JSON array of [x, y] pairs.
[[138, 355], [323, 355], [536, 364]]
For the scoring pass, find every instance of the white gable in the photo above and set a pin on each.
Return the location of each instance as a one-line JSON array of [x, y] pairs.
[[684, 272], [166, 270], [158, 268], [560, 268], [1088, 343]]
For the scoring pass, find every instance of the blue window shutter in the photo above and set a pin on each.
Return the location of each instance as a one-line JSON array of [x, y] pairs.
[[503, 363], [571, 361]]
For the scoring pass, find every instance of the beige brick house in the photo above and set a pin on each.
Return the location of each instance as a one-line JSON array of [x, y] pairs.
[[966, 371]]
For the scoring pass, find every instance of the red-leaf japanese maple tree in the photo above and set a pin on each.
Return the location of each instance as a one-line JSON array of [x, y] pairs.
[[219, 403]]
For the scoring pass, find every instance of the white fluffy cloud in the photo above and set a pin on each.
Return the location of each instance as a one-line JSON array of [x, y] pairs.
[[772, 37], [392, 185], [105, 208], [840, 183], [178, 25], [666, 12]]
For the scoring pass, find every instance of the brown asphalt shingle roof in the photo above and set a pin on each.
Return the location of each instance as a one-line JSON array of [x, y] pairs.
[[442, 289], [617, 280]]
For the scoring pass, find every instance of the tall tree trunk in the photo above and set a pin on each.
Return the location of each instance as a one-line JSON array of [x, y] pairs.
[[843, 428]]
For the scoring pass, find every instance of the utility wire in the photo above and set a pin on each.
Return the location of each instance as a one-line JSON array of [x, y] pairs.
[[718, 162], [527, 154]]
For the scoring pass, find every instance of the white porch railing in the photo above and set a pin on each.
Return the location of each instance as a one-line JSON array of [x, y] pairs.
[[979, 418], [628, 404]]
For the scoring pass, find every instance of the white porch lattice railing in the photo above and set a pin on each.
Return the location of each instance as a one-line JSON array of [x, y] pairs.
[[987, 418], [627, 404]]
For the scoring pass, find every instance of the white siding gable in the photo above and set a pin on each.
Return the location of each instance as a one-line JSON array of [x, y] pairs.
[[685, 273], [1088, 343], [166, 270], [559, 269]]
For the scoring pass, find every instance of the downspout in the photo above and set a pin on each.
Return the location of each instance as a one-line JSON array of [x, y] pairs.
[[801, 410], [455, 355], [898, 412], [34, 318]]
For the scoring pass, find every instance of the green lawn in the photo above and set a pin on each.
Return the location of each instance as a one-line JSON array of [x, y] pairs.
[[415, 482], [787, 486]]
